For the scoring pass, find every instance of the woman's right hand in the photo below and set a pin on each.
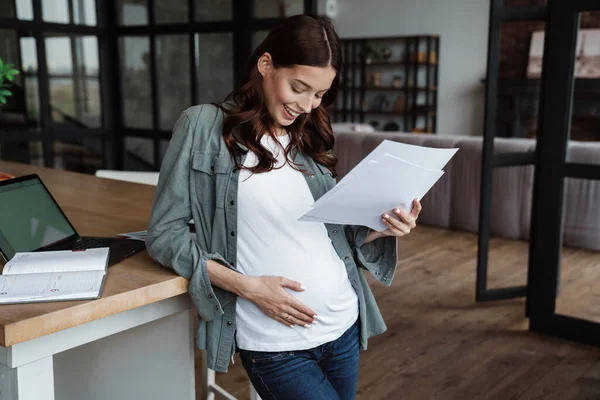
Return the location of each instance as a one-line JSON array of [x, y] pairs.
[[268, 293]]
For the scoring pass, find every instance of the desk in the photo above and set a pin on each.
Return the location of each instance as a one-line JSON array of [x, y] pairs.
[[135, 342]]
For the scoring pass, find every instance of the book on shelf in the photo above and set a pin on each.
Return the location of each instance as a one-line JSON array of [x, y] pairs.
[[54, 276]]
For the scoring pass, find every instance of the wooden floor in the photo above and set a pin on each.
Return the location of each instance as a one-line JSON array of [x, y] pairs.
[[440, 344]]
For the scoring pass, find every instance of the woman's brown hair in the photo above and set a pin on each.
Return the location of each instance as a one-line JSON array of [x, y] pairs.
[[298, 40]]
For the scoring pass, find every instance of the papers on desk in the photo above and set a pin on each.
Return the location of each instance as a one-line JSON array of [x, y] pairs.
[[138, 235], [141, 235], [391, 176]]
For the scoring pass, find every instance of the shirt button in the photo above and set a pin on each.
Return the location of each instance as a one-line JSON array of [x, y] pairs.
[[232, 202], [354, 281], [346, 258], [311, 176], [217, 307], [210, 296], [229, 323], [335, 231], [232, 233], [385, 279]]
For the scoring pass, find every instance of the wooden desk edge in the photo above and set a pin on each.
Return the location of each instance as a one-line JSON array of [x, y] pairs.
[[22, 331]]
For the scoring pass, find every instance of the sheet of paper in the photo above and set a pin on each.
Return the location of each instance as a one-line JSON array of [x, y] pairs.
[[139, 235], [379, 183], [378, 189], [337, 187], [58, 261], [51, 286], [317, 219], [425, 157], [140, 238]]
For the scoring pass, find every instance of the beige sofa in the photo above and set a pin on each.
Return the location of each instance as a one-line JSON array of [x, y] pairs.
[[453, 202]]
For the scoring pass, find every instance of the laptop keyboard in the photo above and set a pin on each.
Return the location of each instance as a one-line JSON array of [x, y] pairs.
[[93, 243]]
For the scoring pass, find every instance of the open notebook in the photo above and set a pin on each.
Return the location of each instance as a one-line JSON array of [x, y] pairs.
[[54, 276]]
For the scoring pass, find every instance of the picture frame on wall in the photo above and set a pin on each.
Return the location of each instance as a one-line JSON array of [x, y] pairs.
[[587, 61]]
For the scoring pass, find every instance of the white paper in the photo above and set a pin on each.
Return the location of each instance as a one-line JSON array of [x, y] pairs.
[[58, 261], [139, 235], [391, 176], [317, 219], [426, 157], [136, 233], [50, 286]]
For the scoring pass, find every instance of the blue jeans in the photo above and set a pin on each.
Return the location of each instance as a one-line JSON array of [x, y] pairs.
[[326, 372]]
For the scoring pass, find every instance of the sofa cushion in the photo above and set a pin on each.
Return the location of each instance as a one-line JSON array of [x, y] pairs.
[[352, 127], [437, 203], [582, 200]]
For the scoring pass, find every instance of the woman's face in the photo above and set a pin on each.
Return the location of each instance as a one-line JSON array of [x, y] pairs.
[[290, 92]]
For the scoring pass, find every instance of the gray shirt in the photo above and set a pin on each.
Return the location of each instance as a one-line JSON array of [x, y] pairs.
[[198, 180]]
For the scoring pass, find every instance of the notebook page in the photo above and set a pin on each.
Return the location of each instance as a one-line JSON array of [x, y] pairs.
[[52, 286], [57, 261]]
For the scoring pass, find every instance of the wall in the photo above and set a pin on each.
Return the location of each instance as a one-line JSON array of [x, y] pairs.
[[463, 29]]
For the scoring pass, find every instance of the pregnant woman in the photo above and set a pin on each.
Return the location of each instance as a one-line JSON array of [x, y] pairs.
[[288, 295]]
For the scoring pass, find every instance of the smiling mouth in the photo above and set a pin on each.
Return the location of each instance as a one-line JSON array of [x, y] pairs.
[[291, 112]]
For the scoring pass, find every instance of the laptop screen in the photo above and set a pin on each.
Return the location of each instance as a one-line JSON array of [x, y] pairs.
[[29, 217]]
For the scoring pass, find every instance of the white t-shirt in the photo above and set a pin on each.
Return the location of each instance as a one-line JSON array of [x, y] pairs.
[[272, 242]]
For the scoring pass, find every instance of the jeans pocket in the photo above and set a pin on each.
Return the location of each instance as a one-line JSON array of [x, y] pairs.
[[265, 357]]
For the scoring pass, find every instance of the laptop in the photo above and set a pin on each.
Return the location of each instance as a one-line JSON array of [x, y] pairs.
[[31, 220]]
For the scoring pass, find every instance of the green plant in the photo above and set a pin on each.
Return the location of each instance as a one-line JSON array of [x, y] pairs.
[[7, 73]]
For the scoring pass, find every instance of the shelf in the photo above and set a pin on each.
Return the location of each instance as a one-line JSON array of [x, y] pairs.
[[385, 63], [397, 38], [389, 63], [373, 112], [391, 88], [409, 112], [532, 86], [387, 112], [415, 55]]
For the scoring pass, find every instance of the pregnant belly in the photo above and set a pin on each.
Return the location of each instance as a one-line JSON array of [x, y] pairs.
[[330, 302]]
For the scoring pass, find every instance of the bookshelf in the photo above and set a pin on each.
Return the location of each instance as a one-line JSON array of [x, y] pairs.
[[390, 83]]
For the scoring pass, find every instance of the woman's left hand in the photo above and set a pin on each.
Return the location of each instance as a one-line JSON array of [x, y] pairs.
[[402, 222], [397, 226]]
